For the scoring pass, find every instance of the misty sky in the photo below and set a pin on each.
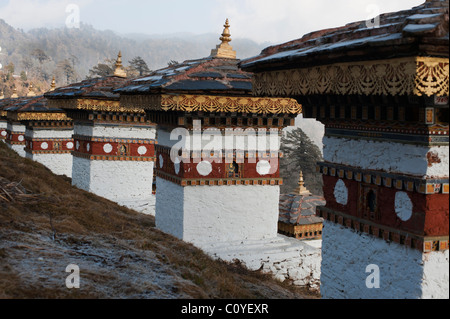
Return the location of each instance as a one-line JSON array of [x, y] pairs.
[[275, 21]]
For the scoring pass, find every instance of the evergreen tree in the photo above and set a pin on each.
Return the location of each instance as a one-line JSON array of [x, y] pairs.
[[139, 65], [40, 55], [102, 69], [67, 71], [300, 154]]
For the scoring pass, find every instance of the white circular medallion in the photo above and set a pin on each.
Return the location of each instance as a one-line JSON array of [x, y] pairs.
[[4, 133], [142, 150], [69, 145], [44, 145], [341, 193], [78, 145], [107, 148], [204, 168], [88, 147], [403, 206], [21, 138], [161, 161], [263, 167]]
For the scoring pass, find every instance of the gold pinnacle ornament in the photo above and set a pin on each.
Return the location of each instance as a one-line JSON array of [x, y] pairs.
[[30, 91], [301, 189], [53, 85], [14, 95], [119, 71], [224, 50]]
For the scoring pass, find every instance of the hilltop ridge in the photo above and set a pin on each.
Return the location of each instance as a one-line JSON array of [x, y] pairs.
[[85, 47]]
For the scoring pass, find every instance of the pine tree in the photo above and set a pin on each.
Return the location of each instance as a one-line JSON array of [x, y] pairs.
[[102, 69], [300, 154], [139, 65], [67, 71]]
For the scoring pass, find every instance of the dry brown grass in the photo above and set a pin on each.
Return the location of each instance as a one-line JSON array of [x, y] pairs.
[[121, 253]]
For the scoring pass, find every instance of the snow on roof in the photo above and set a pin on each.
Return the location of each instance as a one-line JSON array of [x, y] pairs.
[[393, 31], [206, 74], [102, 87]]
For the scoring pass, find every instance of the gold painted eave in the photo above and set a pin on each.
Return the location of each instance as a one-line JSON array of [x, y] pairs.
[[93, 105], [34, 116], [212, 104], [419, 76]]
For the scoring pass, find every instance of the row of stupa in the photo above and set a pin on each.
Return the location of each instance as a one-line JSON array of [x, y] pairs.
[[382, 94]]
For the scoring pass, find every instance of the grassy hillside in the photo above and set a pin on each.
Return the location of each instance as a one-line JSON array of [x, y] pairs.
[[46, 224]]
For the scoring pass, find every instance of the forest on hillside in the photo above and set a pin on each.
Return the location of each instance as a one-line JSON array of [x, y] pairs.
[[69, 54]]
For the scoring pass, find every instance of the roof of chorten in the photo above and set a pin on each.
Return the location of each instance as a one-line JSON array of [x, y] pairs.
[[98, 88], [29, 104], [4, 103], [214, 84], [420, 31], [101, 88], [34, 108], [218, 73], [299, 210], [221, 75], [299, 207]]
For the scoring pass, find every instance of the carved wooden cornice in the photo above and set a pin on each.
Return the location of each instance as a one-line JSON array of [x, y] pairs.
[[35, 116], [212, 104], [92, 105], [419, 76]]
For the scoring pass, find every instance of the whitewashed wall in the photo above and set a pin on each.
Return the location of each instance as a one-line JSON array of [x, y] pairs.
[[387, 156], [217, 140], [405, 273], [18, 128], [124, 182], [116, 131], [199, 214], [59, 164], [3, 125]]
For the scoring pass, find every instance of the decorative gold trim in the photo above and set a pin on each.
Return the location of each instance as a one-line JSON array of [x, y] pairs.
[[93, 105], [34, 116], [403, 76], [213, 104]]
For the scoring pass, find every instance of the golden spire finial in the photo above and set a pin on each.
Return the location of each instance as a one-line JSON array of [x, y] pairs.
[[2, 95], [301, 189], [226, 35], [30, 91], [119, 71], [224, 50], [53, 85], [14, 95]]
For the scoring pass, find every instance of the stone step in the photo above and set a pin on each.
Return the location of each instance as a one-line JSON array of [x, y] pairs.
[[254, 252]]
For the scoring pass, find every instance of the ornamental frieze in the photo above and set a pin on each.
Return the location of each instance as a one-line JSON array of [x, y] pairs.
[[35, 116], [420, 76], [213, 104], [92, 105]]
